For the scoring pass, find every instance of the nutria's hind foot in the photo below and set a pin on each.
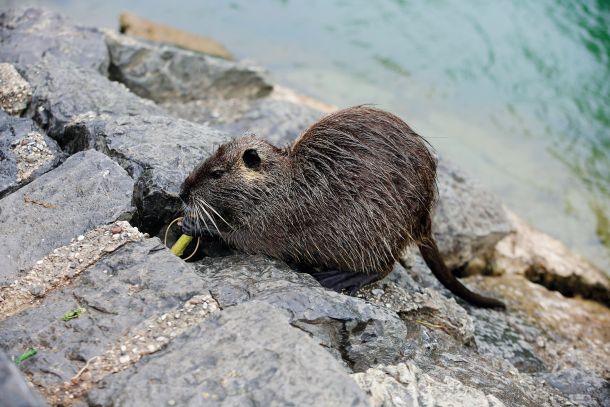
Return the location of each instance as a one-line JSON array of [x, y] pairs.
[[344, 281]]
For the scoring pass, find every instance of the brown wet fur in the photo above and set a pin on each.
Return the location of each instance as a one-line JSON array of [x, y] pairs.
[[350, 194]]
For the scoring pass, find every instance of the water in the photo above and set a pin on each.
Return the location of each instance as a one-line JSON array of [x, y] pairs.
[[517, 93]]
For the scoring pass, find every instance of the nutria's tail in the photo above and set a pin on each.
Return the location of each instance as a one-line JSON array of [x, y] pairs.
[[433, 259]]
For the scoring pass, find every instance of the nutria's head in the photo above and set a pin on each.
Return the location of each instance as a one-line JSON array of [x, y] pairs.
[[222, 191]]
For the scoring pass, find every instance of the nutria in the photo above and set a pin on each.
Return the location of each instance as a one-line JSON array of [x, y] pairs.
[[346, 197]]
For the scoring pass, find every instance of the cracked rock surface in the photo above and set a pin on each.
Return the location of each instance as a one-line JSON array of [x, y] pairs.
[[26, 152], [87, 190], [117, 320]]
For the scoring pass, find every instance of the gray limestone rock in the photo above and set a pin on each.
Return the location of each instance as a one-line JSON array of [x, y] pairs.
[[163, 72], [25, 152], [157, 151], [28, 35], [13, 388], [63, 91], [278, 121], [248, 355], [582, 387], [468, 221], [15, 92], [87, 190], [125, 294]]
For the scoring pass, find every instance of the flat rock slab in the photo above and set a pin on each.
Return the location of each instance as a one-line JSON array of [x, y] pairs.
[[278, 121], [129, 301], [163, 72], [87, 190], [25, 152], [158, 151], [359, 333], [247, 355], [62, 91], [28, 35], [15, 92]]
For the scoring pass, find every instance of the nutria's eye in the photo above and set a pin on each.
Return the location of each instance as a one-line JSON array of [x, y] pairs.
[[217, 174], [251, 159]]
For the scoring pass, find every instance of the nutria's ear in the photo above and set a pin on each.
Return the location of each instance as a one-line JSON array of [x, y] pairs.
[[251, 159]]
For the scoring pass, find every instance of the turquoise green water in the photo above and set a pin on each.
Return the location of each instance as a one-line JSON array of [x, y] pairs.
[[517, 93]]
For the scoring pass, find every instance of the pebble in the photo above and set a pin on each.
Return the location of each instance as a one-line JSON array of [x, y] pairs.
[[124, 359], [80, 238], [377, 292], [116, 229], [39, 262]]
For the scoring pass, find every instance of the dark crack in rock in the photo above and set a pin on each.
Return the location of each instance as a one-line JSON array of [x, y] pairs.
[[25, 153], [248, 355], [87, 190], [28, 35]]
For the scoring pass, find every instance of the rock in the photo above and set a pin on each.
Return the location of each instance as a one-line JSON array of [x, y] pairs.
[[13, 387], [63, 91], [157, 151], [25, 153], [248, 355], [405, 385], [28, 35], [582, 387], [15, 92], [467, 221], [546, 261], [360, 334], [278, 121], [164, 72], [418, 305], [127, 298], [87, 190], [553, 332], [133, 25]]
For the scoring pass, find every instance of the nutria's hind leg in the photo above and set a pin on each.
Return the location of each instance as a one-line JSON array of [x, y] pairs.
[[346, 281]]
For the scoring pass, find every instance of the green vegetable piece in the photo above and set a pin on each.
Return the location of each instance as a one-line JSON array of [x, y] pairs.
[[25, 355], [72, 314], [181, 244]]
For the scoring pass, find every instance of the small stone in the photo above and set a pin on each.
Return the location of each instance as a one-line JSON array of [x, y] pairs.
[[377, 292], [124, 359], [151, 348], [171, 402], [123, 348], [161, 339], [80, 238], [116, 229], [36, 290], [39, 262], [116, 237]]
